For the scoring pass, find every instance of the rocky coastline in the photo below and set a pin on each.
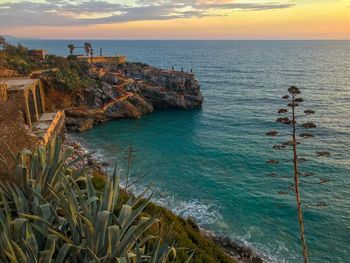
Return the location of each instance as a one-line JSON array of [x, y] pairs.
[[239, 252], [130, 90]]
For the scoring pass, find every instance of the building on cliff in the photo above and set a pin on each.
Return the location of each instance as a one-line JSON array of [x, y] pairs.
[[38, 54], [27, 96], [112, 60]]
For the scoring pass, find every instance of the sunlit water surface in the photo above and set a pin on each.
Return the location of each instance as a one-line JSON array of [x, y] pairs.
[[211, 163]]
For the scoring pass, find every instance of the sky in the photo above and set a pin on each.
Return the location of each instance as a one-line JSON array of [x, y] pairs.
[[176, 19]]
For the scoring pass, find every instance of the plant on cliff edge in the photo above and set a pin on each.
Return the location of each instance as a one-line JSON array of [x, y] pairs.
[[71, 48], [293, 102], [54, 214], [87, 47]]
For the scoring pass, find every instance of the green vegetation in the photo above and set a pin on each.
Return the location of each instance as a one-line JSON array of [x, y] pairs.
[[70, 73], [183, 232], [69, 79], [52, 212], [49, 213], [17, 58]]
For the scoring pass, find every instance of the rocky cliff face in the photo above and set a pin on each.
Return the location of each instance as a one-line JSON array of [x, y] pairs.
[[165, 89], [133, 90]]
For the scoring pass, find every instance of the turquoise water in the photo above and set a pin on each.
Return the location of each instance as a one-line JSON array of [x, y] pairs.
[[211, 163]]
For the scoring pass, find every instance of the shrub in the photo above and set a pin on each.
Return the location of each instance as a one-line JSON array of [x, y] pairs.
[[54, 213]]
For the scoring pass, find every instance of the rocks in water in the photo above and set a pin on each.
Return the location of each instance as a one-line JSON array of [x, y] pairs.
[[163, 88], [134, 106], [131, 91], [272, 162], [79, 124], [272, 133], [240, 252], [161, 97], [323, 154]]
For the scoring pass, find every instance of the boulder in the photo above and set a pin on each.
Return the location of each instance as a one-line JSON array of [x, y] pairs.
[[79, 124], [133, 106], [85, 125]]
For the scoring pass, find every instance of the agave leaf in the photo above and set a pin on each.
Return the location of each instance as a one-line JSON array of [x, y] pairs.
[[155, 252], [91, 192], [46, 255], [21, 256], [13, 258], [142, 195], [32, 256], [4, 162], [135, 213], [46, 212], [146, 239], [90, 235], [34, 218], [6, 206], [124, 215], [96, 259], [63, 253], [59, 235], [101, 225], [133, 234], [31, 240], [113, 238]]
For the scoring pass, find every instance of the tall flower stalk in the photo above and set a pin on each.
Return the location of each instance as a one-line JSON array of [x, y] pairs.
[[294, 92], [293, 101]]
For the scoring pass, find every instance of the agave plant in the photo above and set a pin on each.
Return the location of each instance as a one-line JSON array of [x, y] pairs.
[[54, 214]]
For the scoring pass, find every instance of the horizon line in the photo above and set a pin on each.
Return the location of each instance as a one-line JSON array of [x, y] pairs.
[[183, 39]]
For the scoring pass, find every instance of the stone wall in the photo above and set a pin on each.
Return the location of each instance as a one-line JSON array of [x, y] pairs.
[[104, 60], [3, 92], [55, 127]]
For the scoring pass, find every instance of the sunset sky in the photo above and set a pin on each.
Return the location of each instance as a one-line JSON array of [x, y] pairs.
[[176, 19]]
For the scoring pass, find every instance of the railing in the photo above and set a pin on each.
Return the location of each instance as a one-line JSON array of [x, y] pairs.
[[55, 126]]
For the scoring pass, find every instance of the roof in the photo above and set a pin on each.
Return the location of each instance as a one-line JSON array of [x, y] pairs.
[[19, 83]]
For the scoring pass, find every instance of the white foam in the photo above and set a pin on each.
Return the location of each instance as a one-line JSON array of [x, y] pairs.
[[206, 214]]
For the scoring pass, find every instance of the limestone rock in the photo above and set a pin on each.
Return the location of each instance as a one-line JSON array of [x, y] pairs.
[[79, 124], [133, 106]]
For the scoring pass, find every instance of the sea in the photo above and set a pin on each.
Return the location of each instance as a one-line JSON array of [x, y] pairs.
[[211, 163]]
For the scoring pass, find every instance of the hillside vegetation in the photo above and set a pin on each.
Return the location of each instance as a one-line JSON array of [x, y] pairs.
[[53, 212]]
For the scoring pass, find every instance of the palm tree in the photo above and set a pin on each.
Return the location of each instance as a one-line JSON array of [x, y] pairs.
[[2, 42], [88, 48], [71, 49]]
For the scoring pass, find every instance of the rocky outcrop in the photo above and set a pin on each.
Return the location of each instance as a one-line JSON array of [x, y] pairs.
[[130, 91], [132, 106], [95, 97], [165, 88], [79, 124], [162, 97]]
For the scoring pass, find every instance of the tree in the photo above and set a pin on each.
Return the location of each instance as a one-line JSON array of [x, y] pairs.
[[293, 101], [3, 42], [71, 49], [87, 47]]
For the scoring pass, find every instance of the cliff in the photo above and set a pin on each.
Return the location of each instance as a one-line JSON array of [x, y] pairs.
[[130, 90]]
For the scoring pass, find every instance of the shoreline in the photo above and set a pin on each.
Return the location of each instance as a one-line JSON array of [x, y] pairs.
[[240, 253]]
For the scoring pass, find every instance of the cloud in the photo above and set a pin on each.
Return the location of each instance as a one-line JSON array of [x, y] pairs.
[[91, 12]]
